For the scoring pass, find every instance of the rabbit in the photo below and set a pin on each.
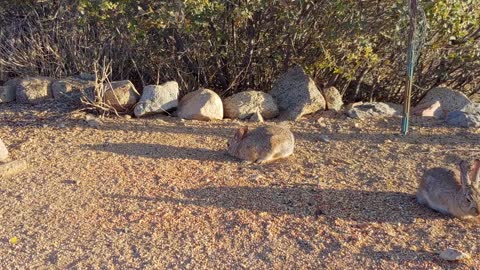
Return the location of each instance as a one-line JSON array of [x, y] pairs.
[[452, 192], [263, 144]]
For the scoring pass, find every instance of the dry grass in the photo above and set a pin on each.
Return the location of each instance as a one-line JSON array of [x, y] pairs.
[[159, 193]]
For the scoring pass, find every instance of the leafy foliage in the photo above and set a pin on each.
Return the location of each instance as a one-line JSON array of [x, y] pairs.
[[230, 46]]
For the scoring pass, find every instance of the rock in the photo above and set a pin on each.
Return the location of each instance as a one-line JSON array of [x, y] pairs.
[[3, 152], [429, 110], [12, 168], [89, 117], [463, 119], [95, 123], [473, 108], [333, 98], [296, 95], [7, 94], [121, 95], [450, 100], [70, 89], [157, 99], [242, 105], [203, 104], [34, 90], [257, 117], [451, 254], [324, 138], [375, 109], [87, 76]]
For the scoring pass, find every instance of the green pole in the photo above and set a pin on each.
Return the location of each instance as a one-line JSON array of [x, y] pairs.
[[410, 67]]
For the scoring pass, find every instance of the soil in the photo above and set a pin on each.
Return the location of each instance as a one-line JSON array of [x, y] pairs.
[[161, 193]]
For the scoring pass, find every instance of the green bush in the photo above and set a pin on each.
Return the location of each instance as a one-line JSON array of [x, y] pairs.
[[231, 46]]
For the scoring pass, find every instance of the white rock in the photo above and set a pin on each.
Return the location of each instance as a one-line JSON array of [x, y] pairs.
[[242, 105], [157, 99], [333, 98], [296, 94], [203, 104], [70, 89], [449, 99], [34, 90], [121, 95]]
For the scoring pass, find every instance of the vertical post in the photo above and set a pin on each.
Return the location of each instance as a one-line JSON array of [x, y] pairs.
[[410, 66]]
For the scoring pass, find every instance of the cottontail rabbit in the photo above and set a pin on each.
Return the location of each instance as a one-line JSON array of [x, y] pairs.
[[261, 145], [452, 192]]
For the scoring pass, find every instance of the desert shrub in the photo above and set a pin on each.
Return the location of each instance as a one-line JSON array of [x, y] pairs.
[[231, 46]]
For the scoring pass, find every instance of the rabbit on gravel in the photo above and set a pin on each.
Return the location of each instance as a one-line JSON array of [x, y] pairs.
[[263, 144], [452, 192]]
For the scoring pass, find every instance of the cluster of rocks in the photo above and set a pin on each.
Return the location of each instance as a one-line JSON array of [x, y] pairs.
[[293, 95], [453, 106]]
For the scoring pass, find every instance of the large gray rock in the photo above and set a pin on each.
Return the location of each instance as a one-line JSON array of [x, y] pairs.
[[70, 89], [86, 76], [429, 110], [244, 104], [256, 117], [450, 100], [157, 99], [203, 104], [3, 152], [463, 119], [34, 90], [296, 95], [333, 98], [375, 109], [7, 94], [121, 95], [473, 108]]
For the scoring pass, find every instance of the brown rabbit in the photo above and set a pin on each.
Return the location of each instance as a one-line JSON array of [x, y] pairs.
[[452, 192], [263, 144]]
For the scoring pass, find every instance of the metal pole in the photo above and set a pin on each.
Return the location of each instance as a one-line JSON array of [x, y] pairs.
[[410, 67]]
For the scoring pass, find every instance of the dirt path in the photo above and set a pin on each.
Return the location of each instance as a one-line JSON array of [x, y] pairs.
[[159, 193]]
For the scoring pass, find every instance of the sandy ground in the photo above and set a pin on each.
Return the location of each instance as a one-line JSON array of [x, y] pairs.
[[159, 193]]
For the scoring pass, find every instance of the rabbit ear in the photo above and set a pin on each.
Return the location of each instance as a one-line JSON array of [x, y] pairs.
[[475, 173], [241, 132], [464, 173]]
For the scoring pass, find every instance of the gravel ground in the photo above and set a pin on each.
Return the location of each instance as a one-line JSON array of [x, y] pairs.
[[160, 193]]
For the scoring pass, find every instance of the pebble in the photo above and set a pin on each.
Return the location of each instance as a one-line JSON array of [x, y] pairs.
[[324, 138], [127, 116], [451, 254], [95, 123], [89, 117]]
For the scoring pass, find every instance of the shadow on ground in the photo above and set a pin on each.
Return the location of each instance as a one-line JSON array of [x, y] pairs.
[[303, 201], [160, 151], [454, 139]]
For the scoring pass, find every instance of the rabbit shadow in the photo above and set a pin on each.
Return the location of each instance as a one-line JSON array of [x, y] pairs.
[[405, 255], [159, 151], [302, 201]]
